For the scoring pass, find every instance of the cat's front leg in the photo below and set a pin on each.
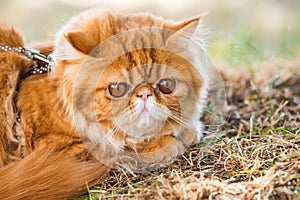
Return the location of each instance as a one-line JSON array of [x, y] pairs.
[[167, 147]]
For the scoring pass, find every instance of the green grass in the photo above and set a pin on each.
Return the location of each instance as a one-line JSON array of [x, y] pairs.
[[247, 47]]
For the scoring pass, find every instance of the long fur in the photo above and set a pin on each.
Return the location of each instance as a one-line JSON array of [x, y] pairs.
[[43, 175], [42, 155], [12, 66]]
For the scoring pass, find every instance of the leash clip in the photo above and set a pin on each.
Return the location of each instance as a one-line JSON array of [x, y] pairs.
[[35, 54]]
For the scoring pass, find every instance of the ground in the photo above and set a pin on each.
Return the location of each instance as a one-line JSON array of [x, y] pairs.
[[255, 154]]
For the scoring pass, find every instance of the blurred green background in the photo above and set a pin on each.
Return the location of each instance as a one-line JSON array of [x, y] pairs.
[[243, 31]]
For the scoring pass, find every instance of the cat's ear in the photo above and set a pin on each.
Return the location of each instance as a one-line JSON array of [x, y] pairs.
[[187, 30], [188, 27], [82, 41]]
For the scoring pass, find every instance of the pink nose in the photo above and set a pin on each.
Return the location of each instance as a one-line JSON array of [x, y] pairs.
[[144, 94]]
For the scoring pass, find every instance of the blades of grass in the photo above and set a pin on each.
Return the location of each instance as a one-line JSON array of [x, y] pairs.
[[89, 191]]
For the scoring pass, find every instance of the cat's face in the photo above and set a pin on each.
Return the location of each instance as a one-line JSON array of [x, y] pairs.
[[146, 91], [149, 99]]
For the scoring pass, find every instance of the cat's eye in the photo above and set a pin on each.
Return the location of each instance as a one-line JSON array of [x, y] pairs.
[[167, 86], [117, 90]]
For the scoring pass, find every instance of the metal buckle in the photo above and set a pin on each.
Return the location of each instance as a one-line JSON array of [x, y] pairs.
[[35, 54]]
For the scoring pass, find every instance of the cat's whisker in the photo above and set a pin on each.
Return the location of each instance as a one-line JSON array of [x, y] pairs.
[[112, 135], [183, 116], [181, 121], [91, 149], [171, 124], [182, 124], [172, 105], [124, 114], [175, 109]]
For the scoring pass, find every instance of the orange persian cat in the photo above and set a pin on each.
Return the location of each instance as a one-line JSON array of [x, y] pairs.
[[124, 89]]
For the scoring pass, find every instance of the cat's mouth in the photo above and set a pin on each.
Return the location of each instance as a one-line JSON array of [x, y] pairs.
[[146, 119], [143, 110]]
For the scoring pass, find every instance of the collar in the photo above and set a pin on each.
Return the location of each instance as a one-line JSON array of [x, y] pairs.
[[37, 69], [34, 55]]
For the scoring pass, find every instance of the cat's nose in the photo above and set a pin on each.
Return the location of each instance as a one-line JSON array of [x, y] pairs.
[[144, 94]]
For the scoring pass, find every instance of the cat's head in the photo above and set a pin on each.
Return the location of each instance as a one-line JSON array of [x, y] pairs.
[[126, 79]]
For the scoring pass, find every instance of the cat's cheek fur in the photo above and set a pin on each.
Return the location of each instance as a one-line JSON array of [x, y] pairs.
[[96, 134], [196, 124]]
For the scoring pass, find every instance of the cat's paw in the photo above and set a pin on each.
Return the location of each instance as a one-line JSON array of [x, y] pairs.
[[165, 149], [162, 155]]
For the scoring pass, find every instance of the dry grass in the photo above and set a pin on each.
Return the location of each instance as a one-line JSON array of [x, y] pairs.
[[257, 156]]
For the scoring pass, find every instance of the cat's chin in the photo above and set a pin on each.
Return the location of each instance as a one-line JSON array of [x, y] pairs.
[[144, 127]]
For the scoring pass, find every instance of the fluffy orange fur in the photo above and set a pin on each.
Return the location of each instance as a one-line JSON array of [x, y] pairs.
[[47, 154]]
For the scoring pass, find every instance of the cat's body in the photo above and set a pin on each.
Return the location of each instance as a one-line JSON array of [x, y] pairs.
[[44, 155]]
